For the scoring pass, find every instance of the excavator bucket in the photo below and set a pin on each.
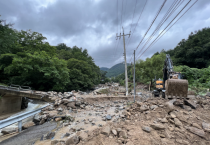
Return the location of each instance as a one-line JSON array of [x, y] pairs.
[[176, 87]]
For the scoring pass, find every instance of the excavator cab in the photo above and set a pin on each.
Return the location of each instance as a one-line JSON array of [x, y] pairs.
[[158, 87]]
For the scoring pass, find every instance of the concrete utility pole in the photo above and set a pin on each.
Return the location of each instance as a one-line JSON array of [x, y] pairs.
[[126, 76], [134, 77]]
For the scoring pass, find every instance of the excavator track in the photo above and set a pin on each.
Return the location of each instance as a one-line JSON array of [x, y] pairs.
[[176, 87]]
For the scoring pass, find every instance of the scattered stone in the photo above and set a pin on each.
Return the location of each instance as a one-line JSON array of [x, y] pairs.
[[58, 119], [108, 117], [50, 135], [197, 126], [153, 107], [83, 135], [28, 124], [208, 94], [206, 126], [60, 109], [100, 125], [196, 131], [8, 130], [180, 141], [164, 120], [162, 135], [57, 141], [73, 140], [144, 108], [190, 103], [173, 115], [177, 122], [114, 132], [106, 130], [123, 134], [157, 126], [169, 105], [37, 119], [146, 128]]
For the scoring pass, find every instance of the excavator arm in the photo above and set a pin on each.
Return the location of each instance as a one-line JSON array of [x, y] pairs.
[[173, 83]]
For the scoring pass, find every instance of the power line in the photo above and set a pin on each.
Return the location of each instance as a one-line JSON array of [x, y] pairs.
[[152, 23], [167, 26], [165, 17], [137, 23], [175, 21]]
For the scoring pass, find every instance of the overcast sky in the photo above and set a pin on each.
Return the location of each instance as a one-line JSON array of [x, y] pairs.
[[93, 24]]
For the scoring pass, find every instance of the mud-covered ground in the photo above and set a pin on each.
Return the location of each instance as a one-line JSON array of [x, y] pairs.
[[114, 119]]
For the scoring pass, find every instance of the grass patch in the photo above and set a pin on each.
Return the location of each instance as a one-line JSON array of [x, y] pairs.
[[3, 84]]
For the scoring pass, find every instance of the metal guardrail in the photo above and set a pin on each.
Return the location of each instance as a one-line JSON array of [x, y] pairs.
[[16, 88], [19, 118]]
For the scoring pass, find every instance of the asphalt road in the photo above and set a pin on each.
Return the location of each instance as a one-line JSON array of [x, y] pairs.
[[29, 136]]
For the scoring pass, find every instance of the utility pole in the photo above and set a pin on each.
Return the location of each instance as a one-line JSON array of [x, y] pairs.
[[126, 76], [134, 78]]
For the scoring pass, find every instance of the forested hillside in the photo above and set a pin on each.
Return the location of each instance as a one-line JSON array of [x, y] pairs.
[[104, 68], [193, 52], [27, 59], [115, 70], [191, 57]]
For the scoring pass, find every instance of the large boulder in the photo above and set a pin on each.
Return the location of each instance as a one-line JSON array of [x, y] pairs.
[[37, 118]]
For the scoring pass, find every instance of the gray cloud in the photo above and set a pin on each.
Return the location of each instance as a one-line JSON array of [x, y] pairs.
[[93, 24]]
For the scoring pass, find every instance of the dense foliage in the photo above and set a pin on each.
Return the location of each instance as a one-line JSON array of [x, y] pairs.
[[193, 52], [27, 59], [199, 79]]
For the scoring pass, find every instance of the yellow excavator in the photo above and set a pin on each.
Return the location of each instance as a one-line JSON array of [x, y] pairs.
[[172, 84]]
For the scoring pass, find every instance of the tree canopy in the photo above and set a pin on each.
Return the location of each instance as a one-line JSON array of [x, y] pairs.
[[27, 59]]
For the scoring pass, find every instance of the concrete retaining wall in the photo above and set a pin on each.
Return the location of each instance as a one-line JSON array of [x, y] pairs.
[[10, 104]]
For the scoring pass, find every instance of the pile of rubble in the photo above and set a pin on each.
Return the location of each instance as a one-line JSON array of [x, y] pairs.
[[157, 121]]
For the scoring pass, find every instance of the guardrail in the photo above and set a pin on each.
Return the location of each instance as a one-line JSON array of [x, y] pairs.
[[19, 118], [16, 88]]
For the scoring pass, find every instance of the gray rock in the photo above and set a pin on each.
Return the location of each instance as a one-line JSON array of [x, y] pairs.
[[177, 122], [196, 131], [190, 103], [106, 130], [37, 118], [153, 107], [78, 103], [60, 109], [208, 94], [146, 128], [123, 134], [157, 126], [50, 135], [197, 126], [206, 126], [108, 117], [73, 140], [8, 130], [114, 132]]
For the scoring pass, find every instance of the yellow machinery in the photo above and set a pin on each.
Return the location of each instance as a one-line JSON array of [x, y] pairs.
[[173, 83]]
